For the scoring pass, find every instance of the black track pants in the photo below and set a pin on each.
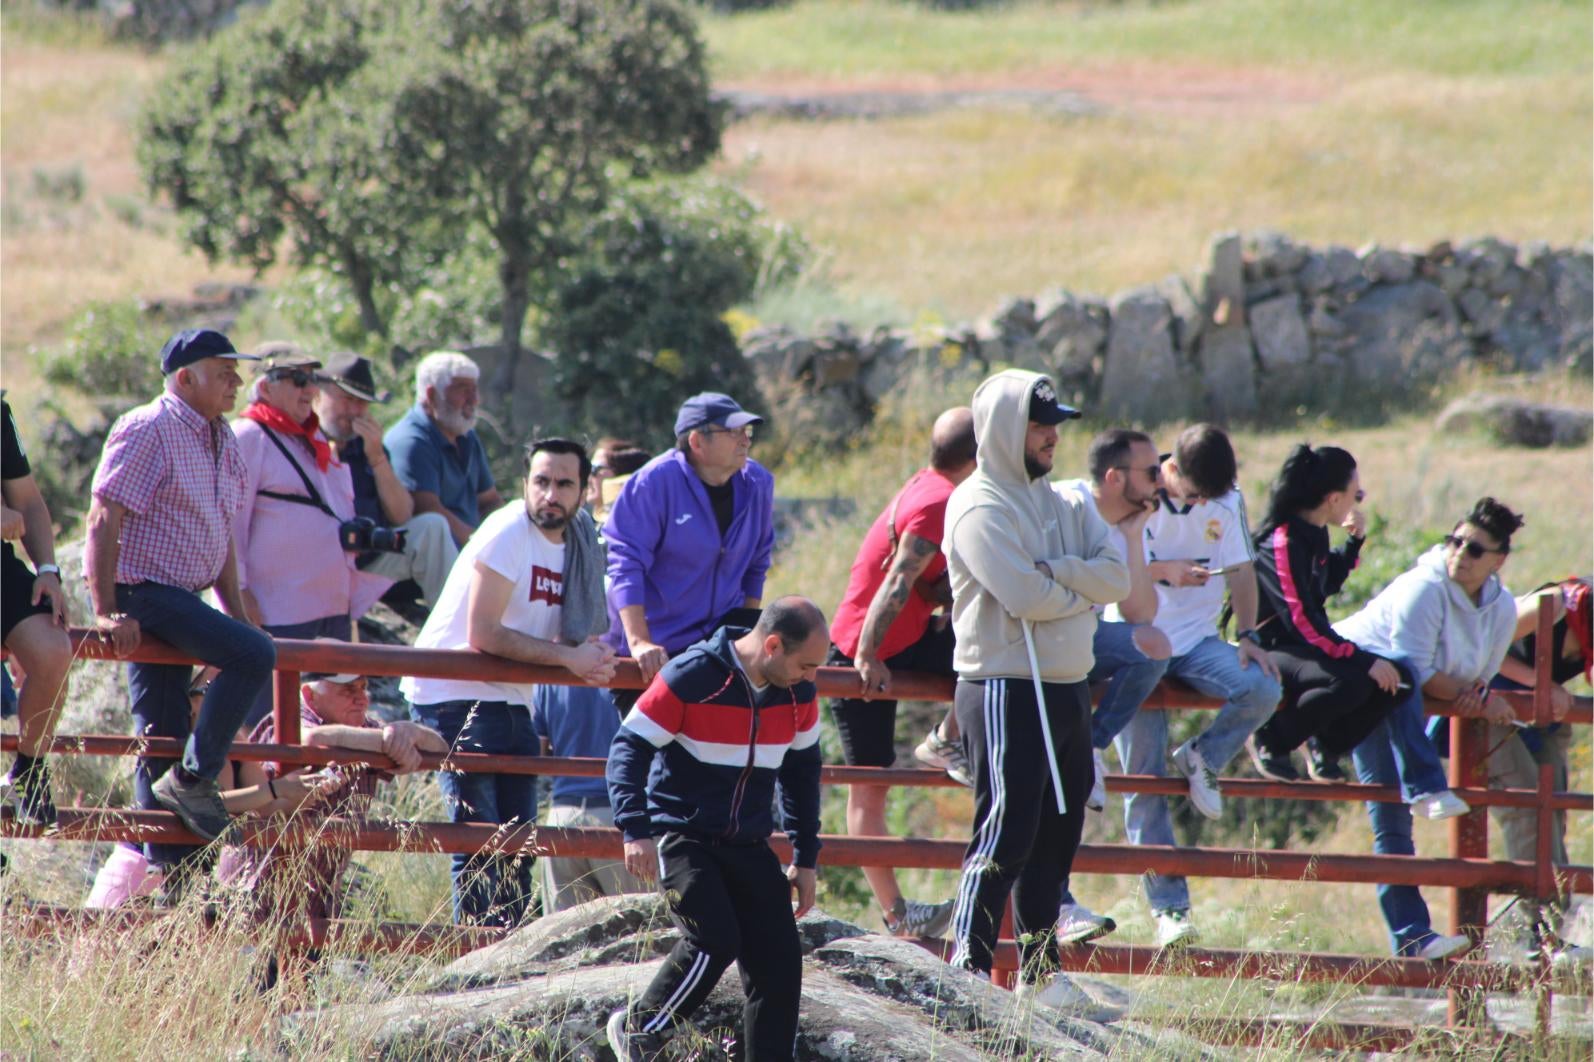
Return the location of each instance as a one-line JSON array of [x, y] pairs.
[[1021, 845], [1335, 701]]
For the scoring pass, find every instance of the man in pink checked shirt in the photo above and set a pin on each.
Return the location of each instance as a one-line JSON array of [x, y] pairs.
[[171, 481]]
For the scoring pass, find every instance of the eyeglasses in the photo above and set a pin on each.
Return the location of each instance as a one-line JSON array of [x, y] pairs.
[[1153, 472], [1476, 550], [746, 431], [298, 377]]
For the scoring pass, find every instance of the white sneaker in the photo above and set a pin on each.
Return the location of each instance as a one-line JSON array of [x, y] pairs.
[[1097, 800], [936, 751], [1443, 947], [910, 918], [1077, 923], [1441, 805], [1566, 955], [1174, 929], [1062, 996], [1203, 780]]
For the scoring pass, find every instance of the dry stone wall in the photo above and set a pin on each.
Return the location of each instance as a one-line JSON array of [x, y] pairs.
[[1268, 324]]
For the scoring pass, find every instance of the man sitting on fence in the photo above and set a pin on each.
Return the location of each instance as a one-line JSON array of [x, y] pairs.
[[692, 776], [1196, 542], [527, 586], [169, 485], [886, 622]]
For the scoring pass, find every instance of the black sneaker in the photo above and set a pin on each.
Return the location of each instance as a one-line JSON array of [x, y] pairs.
[[1269, 764], [1323, 768], [198, 805], [28, 796]]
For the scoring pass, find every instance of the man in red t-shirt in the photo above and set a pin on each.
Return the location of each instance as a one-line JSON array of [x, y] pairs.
[[884, 623]]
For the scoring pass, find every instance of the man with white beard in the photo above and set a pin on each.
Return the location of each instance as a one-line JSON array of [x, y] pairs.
[[434, 447]]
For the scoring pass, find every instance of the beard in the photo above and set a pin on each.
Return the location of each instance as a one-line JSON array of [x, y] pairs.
[[454, 421], [550, 519], [1034, 468]]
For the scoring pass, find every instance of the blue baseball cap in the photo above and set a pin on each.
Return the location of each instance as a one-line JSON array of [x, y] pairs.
[[197, 344], [711, 407], [1044, 407]]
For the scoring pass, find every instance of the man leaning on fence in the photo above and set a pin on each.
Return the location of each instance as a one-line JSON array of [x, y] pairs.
[[692, 777], [527, 586], [170, 483], [1028, 566]]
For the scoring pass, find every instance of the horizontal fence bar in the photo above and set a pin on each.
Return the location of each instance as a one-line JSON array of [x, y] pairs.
[[832, 774], [301, 655], [79, 824]]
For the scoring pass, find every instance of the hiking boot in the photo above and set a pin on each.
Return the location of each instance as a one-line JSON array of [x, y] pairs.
[[198, 805], [1271, 764], [1321, 766], [1064, 998], [27, 794], [910, 918], [1203, 780], [1174, 928], [936, 751], [1441, 805], [1077, 923], [1097, 801]]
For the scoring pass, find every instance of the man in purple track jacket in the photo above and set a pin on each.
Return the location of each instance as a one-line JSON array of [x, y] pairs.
[[689, 537]]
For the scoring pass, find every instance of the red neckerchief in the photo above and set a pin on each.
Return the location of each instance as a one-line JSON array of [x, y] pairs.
[[275, 419], [1579, 603]]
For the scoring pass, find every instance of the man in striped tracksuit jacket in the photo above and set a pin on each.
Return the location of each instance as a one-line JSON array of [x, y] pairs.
[[692, 775]]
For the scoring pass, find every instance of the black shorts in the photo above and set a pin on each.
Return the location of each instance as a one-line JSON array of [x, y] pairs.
[[16, 594], [868, 729]]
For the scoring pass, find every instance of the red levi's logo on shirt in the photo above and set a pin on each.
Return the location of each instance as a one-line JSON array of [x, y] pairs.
[[547, 586]]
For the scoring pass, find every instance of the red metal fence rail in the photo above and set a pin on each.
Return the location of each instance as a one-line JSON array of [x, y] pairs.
[[1467, 871]]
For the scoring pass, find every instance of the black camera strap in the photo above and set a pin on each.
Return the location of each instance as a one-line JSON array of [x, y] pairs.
[[315, 500]]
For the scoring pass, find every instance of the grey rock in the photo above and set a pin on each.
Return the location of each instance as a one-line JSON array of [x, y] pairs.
[[1324, 319], [1401, 333], [1343, 265], [1280, 333], [1517, 422], [1188, 317], [1273, 254], [1015, 317], [1508, 283], [1488, 258], [1072, 334], [1452, 278], [548, 989], [1482, 313], [1223, 288], [1382, 265], [1228, 372], [1315, 276], [1141, 381]]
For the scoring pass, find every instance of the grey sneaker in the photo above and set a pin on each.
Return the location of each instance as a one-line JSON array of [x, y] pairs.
[[1077, 923], [936, 751], [1203, 780], [910, 918], [631, 1046], [198, 805]]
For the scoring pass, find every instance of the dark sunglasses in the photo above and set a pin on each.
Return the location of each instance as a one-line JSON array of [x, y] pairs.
[[299, 377], [1475, 550], [1153, 472]]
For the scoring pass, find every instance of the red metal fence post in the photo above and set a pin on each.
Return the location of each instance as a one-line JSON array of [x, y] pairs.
[[285, 708], [1469, 838]]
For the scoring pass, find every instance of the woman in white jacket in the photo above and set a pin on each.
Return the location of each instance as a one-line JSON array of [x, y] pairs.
[[1449, 620]]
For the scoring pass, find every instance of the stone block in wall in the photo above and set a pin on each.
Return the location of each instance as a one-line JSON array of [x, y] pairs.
[[1569, 310], [1381, 265], [1188, 317], [1315, 277], [1072, 334], [1481, 313], [1343, 266], [1397, 333], [1488, 258], [1452, 278], [1273, 254], [1141, 381], [886, 358], [1279, 332], [1228, 372], [1015, 317], [1223, 286]]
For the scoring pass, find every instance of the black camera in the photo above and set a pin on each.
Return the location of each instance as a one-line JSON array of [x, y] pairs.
[[363, 535]]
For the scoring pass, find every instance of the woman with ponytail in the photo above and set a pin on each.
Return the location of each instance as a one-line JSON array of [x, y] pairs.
[[1335, 692]]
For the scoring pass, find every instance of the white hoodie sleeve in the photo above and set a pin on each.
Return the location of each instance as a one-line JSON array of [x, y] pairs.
[[989, 546], [1416, 620]]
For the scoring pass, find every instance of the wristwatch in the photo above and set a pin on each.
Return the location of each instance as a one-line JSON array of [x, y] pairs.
[[1250, 635], [47, 569]]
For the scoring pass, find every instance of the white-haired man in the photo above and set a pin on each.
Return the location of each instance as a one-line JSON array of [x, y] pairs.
[[434, 447]]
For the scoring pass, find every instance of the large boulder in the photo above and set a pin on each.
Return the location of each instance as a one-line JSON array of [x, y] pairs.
[[548, 989], [1518, 422]]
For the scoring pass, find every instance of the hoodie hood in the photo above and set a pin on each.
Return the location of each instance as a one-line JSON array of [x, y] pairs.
[[1432, 565], [1001, 421]]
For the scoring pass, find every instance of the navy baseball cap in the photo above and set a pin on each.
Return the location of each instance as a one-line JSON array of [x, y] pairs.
[[197, 344], [1044, 407], [711, 407]]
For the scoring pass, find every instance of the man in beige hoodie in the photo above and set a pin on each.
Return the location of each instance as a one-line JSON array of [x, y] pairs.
[[1021, 555]]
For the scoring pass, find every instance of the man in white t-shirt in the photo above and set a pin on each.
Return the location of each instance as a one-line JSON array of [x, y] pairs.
[[1196, 542], [1131, 654], [528, 585]]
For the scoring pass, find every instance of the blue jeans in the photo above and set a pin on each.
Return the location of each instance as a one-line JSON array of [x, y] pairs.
[[1212, 668], [340, 628], [1130, 676], [1399, 752], [159, 692], [488, 889]]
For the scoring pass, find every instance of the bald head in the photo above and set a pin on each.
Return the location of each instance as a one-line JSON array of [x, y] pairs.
[[788, 645], [952, 442]]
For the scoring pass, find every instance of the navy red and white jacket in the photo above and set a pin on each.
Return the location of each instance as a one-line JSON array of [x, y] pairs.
[[701, 752], [1296, 573]]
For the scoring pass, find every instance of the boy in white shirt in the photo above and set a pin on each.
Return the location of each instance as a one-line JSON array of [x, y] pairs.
[[1197, 542]]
